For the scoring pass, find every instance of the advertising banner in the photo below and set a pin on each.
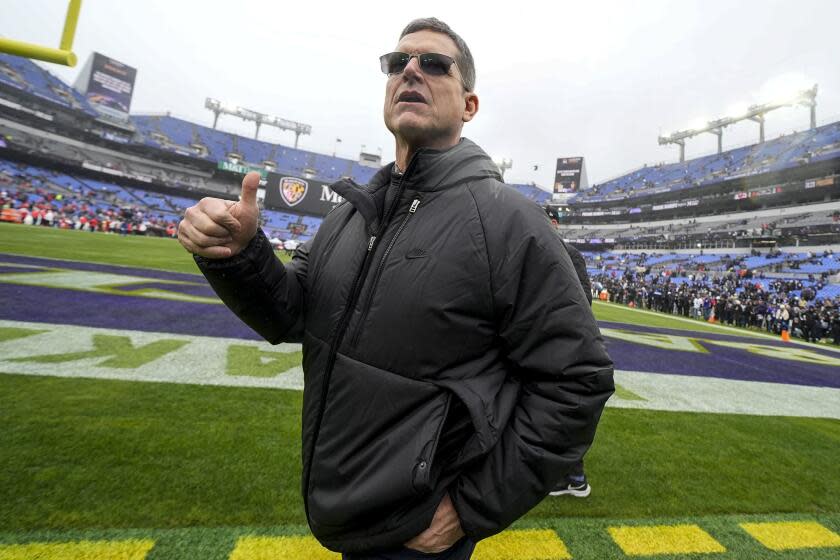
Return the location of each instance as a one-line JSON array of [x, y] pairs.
[[677, 204], [824, 182], [305, 196], [241, 169]]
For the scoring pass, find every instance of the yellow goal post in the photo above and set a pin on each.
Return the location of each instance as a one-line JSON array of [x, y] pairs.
[[62, 55]]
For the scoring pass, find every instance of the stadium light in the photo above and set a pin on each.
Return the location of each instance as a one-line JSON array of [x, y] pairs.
[[503, 164], [737, 111], [698, 124], [783, 87], [802, 97], [219, 108]]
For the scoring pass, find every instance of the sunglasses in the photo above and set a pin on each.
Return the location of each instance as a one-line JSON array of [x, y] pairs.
[[433, 64]]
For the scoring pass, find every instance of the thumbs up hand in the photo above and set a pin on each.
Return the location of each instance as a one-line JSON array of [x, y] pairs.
[[216, 228]]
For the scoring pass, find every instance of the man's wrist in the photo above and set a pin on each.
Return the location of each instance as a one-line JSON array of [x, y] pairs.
[[253, 246]]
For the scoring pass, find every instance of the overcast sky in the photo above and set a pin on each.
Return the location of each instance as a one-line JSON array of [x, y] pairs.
[[597, 79]]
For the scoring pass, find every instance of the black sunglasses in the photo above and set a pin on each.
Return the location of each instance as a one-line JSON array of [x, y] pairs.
[[433, 64]]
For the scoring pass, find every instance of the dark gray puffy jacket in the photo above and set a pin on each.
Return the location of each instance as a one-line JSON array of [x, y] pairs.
[[441, 286]]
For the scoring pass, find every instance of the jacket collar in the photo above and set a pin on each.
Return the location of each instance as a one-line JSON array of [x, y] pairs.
[[429, 170]]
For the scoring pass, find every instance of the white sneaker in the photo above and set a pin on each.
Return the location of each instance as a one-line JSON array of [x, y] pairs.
[[570, 488]]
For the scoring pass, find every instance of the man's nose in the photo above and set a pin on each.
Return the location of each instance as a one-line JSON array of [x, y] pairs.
[[412, 70]]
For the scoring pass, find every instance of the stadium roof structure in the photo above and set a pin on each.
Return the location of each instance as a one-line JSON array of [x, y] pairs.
[[755, 113]]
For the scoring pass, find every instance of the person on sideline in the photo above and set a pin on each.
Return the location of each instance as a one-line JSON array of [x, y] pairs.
[[453, 368]]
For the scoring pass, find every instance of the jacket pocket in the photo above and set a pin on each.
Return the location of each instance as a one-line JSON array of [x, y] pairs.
[[422, 479], [376, 445]]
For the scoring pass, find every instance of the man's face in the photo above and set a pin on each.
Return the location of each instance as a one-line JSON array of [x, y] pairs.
[[420, 108]]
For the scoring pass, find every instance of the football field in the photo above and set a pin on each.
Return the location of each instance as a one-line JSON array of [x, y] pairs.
[[140, 419]]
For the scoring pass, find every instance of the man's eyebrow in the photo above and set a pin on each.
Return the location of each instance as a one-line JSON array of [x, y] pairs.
[[427, 51]]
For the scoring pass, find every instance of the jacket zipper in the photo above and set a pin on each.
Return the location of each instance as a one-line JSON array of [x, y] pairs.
[[340, 332], [369, 299]]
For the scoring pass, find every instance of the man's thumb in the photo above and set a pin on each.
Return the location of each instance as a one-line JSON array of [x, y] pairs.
[[249, 189]]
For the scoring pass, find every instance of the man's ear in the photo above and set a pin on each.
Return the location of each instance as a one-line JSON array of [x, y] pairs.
[[470, 106]]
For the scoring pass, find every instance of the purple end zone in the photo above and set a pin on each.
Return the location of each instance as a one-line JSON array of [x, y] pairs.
[[723, 335], [196, 286], [720, 361], [89, 309], [11, 269]]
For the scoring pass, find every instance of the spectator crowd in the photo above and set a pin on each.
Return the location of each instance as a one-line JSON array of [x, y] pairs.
[[23, 202], [737, 297]]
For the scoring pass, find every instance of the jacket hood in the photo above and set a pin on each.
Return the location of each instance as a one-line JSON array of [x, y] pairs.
[[429, 170], [440, 169]]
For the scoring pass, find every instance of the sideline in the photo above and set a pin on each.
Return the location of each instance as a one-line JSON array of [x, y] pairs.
[[104, 263], [740, 537], [736, 330]]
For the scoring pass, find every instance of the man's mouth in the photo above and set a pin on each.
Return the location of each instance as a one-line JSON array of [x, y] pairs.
[[411, 97]]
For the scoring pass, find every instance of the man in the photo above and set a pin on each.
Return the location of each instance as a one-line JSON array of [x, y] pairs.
[[453, 369], [575, 483], [290, 245]]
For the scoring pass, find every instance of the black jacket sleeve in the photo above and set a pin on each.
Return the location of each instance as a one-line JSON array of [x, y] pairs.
[[580, 268], [267, 295], [550, 338]]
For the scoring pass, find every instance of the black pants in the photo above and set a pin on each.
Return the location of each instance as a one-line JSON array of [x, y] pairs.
[[461, 550], [577, 470]]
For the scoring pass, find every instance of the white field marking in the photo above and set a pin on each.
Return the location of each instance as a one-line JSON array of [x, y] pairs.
[[203, 361], [780, 352], [657, 340], [733, 330], [725, 396], [101, 282], [70, 279]]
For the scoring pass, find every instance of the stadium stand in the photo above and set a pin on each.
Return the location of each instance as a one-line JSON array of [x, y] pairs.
[[783, 290], [774, 155], [173, 184], [76, 201], [782, 191], [179, 136], [34, 80], [766, 221], [533, 192], [183, 137]]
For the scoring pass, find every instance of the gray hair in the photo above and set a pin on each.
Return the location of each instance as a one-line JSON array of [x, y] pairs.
[[464, 59]]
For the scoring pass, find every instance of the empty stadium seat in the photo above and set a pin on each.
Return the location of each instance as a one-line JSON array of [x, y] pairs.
[[772, 155]]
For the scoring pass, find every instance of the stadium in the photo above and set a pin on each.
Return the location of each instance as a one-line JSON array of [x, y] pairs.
[[140, 418]]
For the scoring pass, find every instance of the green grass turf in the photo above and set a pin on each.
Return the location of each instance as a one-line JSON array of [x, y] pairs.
[[145, 252], [621, 314], [89, 455], [585, 539], [83, 454]]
